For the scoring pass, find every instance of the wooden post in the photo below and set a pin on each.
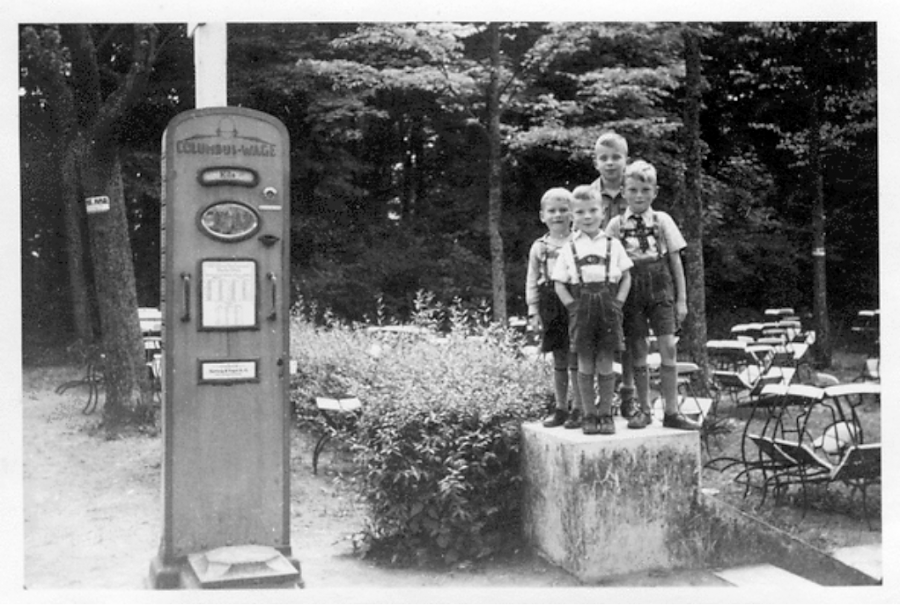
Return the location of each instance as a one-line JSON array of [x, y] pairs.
[[210, 64]]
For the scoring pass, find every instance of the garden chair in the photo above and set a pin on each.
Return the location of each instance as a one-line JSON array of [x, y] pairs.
[[739, 367], [793, 462], [781, 463], [871, 371], [341, 415], [859, 469], [93, 378], [807, 468], [697, 400], [780, 408]]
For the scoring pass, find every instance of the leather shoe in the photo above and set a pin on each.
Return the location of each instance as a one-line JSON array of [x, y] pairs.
[[574, 420], [589, 425], [557, 418], [680, 421], [639, 420], [607, 425]]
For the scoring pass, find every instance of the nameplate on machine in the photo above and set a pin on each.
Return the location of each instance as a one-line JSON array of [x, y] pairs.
[[231, 371]]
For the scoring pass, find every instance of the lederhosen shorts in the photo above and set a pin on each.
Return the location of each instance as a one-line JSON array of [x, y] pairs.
[[596, 317], [554, 318], [651, 301]]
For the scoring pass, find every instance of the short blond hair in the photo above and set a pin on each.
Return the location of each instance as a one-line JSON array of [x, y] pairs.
[[611, 139], [584, 193], [554, 194], [642, 171]]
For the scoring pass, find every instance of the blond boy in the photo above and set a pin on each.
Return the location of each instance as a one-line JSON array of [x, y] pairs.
[[546, 313], [610, 157], [592, 279], [658, 296]]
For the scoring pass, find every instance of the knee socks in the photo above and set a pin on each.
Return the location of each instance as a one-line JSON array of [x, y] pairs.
[[642, 387], [586, 386], [561, 387], [627, 394], [576, 390], [606, 386], [668, 384]]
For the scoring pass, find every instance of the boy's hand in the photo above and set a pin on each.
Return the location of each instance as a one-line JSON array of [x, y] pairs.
[[535, 321], [680, 310]]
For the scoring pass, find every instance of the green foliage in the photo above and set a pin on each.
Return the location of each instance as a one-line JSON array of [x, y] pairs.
[[438, 441], [345, 274]]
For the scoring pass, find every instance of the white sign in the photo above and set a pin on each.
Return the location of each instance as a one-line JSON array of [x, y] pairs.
[[227, 371], [96, 204], [229, 293]]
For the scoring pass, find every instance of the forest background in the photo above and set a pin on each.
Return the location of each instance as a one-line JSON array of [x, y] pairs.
[[389, 127]]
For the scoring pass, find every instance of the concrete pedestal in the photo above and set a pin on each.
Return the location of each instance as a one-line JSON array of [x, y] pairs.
[[605, 505], [231, 567]]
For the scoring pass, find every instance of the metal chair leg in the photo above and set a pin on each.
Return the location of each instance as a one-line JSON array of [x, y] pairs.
[[320, 445]]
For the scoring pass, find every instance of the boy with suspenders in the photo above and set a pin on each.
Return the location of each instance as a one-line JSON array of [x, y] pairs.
[[592, 279], [658, 295], [546, 313]]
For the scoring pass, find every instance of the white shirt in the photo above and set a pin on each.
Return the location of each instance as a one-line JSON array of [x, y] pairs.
[[591, 249]]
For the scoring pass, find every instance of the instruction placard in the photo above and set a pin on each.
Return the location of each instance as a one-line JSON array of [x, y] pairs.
[[229, 294]]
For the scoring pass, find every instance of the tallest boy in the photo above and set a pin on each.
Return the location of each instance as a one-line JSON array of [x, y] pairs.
[[610, 155]]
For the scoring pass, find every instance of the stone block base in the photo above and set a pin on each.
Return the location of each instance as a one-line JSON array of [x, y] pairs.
[[605, 505]]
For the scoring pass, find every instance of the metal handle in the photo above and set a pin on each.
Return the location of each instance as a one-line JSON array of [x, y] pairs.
[[274, 313], [186, 283]]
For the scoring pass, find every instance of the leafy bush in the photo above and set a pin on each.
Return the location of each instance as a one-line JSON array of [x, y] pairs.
[[438, 441]]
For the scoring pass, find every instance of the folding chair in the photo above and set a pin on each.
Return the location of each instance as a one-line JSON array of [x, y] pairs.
[[94, 378], [739, 366], [809, 467], [860, 469], [341, 415], [871, 371], [771, 461]]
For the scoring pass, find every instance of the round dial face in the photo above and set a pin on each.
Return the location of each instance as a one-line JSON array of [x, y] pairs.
[[229, 221]]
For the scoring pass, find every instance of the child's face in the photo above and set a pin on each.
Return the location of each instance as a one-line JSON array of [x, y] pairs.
[[588, 215], [638, 194], [610, 162], [556, 214]]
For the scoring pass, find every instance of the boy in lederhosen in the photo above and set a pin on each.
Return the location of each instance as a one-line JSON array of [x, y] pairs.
[[546, 313], [658, 296], [592, 280]]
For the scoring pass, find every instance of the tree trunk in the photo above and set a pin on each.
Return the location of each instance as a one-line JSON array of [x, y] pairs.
[[820, 300], [495, 201], [74, 233], [114, 284], [694, 337]]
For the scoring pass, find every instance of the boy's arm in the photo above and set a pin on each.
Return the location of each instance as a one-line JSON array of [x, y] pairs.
[[624, 286], [562, 272], [531, 279], [677, 269], [562, 290]]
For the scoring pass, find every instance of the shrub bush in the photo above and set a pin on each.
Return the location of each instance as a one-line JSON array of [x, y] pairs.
[[438, 441]]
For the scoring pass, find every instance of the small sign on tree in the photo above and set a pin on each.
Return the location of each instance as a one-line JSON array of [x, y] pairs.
[[96, 204]]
